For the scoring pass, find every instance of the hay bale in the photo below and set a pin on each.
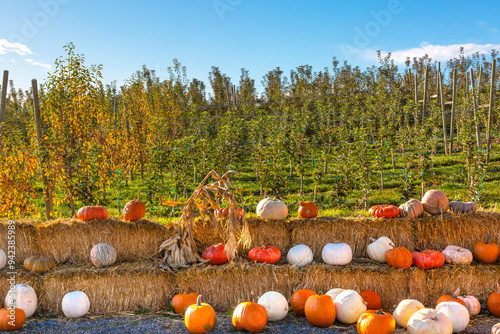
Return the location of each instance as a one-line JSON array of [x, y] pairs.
[[24, 239], [21, 276], [266, 233]]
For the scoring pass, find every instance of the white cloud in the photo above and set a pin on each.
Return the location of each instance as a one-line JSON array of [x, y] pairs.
[[37, 63], [8, 47]]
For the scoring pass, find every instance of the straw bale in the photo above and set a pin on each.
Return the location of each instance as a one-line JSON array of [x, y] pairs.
[[24, 239], [266, 233], [17, 276]]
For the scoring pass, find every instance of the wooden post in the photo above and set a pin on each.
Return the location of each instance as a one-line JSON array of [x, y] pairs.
[[467, 84], [437, 82], [416, 88], [474, 108], [41, 153], [426, 85], [440, 82], [234, 94], [453, 105], [115, 109], [3, 101], [490, 114]]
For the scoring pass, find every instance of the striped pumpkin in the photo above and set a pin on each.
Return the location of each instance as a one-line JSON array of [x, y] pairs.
[[103, 255]]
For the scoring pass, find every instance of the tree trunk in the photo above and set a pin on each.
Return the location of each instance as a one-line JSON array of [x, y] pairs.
[[185, 191], [291, 169], [325, 167], [172, 214], [261, 190], [142, 171], [72, 206], [131, 175], [161, 177], [301, 185], [104, 192], [423, 189], [393, 161], [195, 174], [126, 182], [315, 192], [365, 198], [382, 179]]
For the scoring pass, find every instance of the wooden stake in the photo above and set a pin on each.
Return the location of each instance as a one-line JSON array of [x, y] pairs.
[[426, 85], [415, 85], [454, 102], [474, 105], [490, 114], [440, 82], [3, 101]]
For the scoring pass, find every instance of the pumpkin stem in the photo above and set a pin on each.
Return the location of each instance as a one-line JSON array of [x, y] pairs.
[[138, 195], [456, 293], [379, 312], [487, 239], [498, 288], [372, 239], [198, 301], [301, 203], [433, 317]]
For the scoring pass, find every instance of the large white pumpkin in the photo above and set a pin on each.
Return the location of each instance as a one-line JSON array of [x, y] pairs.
[[405, 309], [299, 256], [275, 304], [103, 255], [75, 304], [3, 259], [349, 306], [376, 250], [429, 321], [24, 297], [272, 209], [334, 292], [457, 313], [337, 254]]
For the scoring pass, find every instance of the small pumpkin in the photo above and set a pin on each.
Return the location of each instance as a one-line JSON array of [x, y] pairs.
[[103, 255], [435, 202], [134, 210], [349, 306], [272, 209], [265, 254], [23, 297], [457, 313], [411, 209], [428, 259], [308, 209], [298, 300], [337, 254], [250, 317], [92, 212], [275, 304], [453, 298], [457, 255], [384, 211], [200, 317], [486, 252], [473, 305], [39, 264], [495, 329], [299, 255], [3, 259], [181, 301], [75, 304], [371, 298], [11, 319], [320, 310], [429, 321], [494, 302], [376, 250], [463, 207], [405, 309], [216, 254], [376, 322], [399, 257]]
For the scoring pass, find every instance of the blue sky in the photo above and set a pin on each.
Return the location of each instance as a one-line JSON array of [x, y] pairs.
[[255, 34]]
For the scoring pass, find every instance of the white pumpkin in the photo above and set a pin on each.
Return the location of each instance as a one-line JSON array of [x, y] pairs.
[[349, 306], [473, 305], [3, 259], [457, 255], [103, 255], [337, 254], [457, 313], [405, 309], [275, 304], [376, 250], [429, 321], [299, 256], [22, 296], [75, 304], [272, 209], [334, 293]]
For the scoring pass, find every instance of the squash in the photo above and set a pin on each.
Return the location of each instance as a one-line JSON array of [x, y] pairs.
[[75, 304], [216, 254], [376, 322], [453, 298], [457, 255], [428, 259], [371, 298], [337, 254], [384, 211], [473, 305], [272, 209], [486, 252], [298, 300], [429, 321], [456, 313], [405, 309], [320, 310], [200, 317], [334, 292], [248, 316], [11, 319], [275, 304], [265, 254], [308, 209], [495, 329], [181, 301], [399, 257], [3, 259], [411, 209], [349, 306], [299, 256], [22, 296], [463, 207], [92, 212], [39, 264], [494, 302], [435, 202], [376, 250], [134, 210], [103, 255]]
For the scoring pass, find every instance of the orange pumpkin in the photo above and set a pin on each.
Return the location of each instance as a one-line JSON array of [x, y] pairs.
[[308, 209], [454, 298], [399, 257], [384, 211], [92, 212], [248, 316], [134, 210], [376, 322], [486, 252], [298, 300], [320, 310], [11, 321], [435, 202], [39, 264], [200, 317], [371, 298], [182, 301], [494, 302]]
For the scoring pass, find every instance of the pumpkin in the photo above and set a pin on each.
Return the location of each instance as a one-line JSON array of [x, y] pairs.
[[299, 256], [92, 212], [320, 310], [494, 302], [457, 313], [371, 298], [181, 301], [298, 300], [39, 264], [134, 210], [486, 252], [435, 202], [272, 209], [276, 305], [411, 209], [22, 296], [75, 304], [428, 259], [399, 257], [384, 211], [11, 319], [308, 209], [453, 298], [216, 254], [495, 329], [349, 306], [463, 207], [376, 250], [457, 255], [429, 321], [103, 255], [265, 254], [337, 254], [3, 259], [376, 322], [224, 213], [334, 292], [200, 317], [473, 305], [248, 316], [405, 309]]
